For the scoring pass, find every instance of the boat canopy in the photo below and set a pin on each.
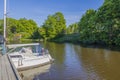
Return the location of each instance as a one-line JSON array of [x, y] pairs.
[[21, 45]]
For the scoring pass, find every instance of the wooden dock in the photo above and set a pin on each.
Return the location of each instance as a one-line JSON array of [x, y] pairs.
[[7, 69]]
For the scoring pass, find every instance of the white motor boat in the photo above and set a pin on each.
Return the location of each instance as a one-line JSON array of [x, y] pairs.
[[26, 56]]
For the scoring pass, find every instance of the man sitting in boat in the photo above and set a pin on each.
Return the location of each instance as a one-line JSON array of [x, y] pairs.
[[43, 51]]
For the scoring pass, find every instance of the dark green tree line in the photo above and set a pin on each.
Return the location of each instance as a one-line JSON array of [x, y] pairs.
[[102, 25]]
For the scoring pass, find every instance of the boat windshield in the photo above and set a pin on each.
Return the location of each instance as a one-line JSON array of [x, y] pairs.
[[25, 49]]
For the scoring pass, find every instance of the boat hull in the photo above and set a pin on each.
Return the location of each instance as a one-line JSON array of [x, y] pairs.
[[32, 62]]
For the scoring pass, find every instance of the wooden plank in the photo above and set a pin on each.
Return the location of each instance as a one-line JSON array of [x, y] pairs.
[[6, 65], [10, 72], [14, 69], [0, 69], [4, 73]]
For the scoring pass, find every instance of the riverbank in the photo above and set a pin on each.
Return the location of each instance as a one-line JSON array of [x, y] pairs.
[[75, 39], [71, 38]]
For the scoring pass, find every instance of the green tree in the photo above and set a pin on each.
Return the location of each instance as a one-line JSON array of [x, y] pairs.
[[22, 27], [26, 27], [11, 27], [60, 26], [1, 27], [73, 28], [109, 18], [87, 26], [53, 27]]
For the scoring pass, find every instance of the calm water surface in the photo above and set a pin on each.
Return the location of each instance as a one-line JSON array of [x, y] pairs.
[[73, 62]]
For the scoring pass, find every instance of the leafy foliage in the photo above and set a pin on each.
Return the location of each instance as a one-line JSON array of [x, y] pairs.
[[100, 26], [73, 28], [1, 27], [53, 27], [22, 28]]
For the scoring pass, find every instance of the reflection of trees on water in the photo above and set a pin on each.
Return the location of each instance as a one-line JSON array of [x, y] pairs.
[[57, 51], [99, 62], [80, 63]]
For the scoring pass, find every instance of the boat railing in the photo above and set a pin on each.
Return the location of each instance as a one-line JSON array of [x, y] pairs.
[[20, 62]]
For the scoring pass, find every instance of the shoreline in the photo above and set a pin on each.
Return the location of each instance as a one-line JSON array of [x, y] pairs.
[[83, 44]]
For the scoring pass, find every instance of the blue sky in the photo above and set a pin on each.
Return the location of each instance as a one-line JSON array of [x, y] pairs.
[[38, 10]]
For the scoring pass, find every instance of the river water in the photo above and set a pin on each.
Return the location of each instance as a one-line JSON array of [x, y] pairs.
[[74, 62]]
